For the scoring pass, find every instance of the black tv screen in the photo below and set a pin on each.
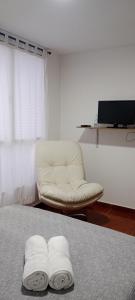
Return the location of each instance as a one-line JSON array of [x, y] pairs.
[[117, 112]]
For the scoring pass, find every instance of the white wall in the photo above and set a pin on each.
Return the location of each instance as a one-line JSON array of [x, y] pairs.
[[86, 78], [53, 86]]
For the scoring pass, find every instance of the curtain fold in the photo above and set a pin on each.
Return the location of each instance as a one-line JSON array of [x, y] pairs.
[[22, 121]]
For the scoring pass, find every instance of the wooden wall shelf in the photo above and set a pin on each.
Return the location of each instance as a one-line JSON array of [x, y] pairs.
[[98, 128], [107, 128]]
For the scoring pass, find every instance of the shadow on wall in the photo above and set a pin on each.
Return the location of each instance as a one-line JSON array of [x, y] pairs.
[[110, 137]]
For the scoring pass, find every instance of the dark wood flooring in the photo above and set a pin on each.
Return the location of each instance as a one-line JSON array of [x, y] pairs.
[[110, 216]]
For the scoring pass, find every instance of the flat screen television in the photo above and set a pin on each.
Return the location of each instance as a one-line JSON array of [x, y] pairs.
[[116, 112]]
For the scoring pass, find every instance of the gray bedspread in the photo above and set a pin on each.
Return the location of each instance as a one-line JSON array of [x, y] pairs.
[[103, 260]]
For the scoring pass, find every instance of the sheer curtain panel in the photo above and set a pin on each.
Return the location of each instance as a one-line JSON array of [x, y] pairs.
[[22, 121]]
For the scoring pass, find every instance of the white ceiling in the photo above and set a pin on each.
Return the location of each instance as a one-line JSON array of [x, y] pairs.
[[71, 25]]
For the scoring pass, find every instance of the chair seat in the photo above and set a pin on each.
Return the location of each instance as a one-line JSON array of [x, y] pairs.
[[78, 191]]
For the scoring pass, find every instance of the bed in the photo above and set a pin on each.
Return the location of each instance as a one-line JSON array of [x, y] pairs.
[[103, 260]]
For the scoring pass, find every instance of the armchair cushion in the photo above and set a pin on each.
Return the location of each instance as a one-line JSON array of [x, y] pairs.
[[60, 175], [71, 192], [59, 162]]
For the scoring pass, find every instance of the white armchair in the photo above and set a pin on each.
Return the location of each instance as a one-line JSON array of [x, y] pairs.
[[60, 176]]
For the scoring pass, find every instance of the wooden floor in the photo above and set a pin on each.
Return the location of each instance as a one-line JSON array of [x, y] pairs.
[[110, 216]]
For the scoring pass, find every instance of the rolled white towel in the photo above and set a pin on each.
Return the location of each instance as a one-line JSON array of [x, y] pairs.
[[60, 267], [36, 269]]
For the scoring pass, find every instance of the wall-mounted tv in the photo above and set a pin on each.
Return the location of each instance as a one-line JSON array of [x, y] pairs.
[[116, 112]]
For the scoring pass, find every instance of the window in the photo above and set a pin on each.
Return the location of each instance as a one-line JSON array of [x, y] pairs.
[[22, 121]]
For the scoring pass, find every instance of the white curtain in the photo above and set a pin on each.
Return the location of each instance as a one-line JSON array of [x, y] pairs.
[[22, 121]]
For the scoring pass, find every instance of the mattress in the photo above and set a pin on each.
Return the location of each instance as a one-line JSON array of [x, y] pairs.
[[103, 260]]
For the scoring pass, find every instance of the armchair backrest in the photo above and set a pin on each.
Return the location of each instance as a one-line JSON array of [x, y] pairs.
[[59, 162]]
